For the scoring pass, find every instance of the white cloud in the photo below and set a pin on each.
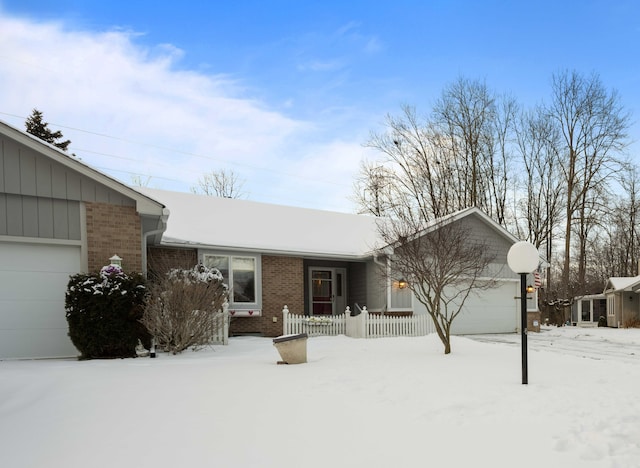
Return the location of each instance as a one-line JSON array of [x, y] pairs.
[[169, 123]]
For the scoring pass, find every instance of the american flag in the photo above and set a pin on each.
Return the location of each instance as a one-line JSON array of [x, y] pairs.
[[537, 281]]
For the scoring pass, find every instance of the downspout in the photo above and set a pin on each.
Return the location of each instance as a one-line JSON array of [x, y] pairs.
[[163, 223]]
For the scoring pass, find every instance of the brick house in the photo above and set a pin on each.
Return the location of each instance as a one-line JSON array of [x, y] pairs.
[[59, 217], [315, 262]]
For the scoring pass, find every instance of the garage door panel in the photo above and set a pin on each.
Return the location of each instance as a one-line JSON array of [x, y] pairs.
[[33, 281], [39, 257], [492, 310], [39, 286], [42, 343], [33, 314]]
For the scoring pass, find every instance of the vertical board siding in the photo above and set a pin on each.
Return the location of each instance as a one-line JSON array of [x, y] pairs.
[[14, 215], [23, 216], [41, 197], [44, 179], [11, 167], [72, 182], [2, 170], [59, 186], [30, 217], [45, 218], [27, 173], [3, 214]]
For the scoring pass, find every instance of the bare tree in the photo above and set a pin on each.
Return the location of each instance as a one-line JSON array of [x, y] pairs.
[[617, 249], [140, 181], [454, 159], [538, 213], [443, 263], [593, 126], [474, 124], [373, 189], [419, 168], [221, 183]]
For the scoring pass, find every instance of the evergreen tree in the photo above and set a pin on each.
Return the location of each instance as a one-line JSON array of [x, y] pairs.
[[39, 128]]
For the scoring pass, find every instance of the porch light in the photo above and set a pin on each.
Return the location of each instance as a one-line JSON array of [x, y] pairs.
[[402, 283], [523, 258], [115, 260], [530, 289]]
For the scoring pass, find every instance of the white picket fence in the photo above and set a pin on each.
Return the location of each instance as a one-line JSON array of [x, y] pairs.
[[363, 325], [221, 326]]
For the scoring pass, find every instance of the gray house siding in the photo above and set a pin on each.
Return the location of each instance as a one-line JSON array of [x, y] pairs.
[[41, 198], [498, 245], [26, 216], [376, 286]]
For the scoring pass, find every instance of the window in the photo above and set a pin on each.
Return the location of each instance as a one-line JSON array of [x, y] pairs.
[[244, 279], [239, 272]]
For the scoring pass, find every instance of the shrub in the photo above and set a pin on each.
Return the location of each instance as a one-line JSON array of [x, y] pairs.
[[103, 311], [181, 308], [632, 322]]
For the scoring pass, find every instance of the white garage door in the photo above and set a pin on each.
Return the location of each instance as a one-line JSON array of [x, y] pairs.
[[493, 310], [33, 281]]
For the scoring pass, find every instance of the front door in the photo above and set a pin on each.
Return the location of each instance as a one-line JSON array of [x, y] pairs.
[[327, 291]]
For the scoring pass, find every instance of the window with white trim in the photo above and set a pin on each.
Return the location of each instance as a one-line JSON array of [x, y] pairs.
[[240, 273]]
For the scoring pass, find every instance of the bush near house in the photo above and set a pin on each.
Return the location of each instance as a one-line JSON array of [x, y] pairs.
[[181, 307], [103, 311], [632, 322]]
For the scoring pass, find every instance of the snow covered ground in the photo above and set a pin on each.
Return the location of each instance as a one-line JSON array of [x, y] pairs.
[[395, 402]]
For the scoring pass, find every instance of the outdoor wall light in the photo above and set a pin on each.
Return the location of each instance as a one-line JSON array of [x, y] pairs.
[[530, 289], [523, 258], [115, 260], [402, 283]]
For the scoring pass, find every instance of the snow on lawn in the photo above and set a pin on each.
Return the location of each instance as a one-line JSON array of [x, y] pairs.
[[395, 402]]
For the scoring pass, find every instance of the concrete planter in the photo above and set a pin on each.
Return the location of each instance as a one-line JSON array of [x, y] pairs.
[[292, 348]]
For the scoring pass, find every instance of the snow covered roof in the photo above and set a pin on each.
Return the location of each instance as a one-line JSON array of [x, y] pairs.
[[618, 283], [234, 224]]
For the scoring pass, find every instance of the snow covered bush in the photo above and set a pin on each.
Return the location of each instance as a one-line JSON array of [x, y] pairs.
[[104, 310], [181, 308]]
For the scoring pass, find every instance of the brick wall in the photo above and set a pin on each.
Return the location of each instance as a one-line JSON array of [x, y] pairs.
[[162, 259], [282, 284], [113, 229]]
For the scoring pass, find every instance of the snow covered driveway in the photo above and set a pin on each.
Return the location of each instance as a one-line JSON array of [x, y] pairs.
[[610, 344]]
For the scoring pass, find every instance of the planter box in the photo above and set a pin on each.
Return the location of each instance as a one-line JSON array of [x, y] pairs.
[[292, 348]]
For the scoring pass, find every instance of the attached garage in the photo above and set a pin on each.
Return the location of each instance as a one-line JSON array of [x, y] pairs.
[[59, 217], [33, 280], [493, 310]]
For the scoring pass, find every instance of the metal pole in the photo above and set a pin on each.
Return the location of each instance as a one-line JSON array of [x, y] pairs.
[[523, 325]]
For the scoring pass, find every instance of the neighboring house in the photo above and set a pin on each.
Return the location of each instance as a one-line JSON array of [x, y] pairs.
[[622, 301], [586, 311], [316, 262], [59, 217]]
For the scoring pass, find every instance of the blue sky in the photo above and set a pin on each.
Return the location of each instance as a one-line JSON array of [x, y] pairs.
[[284, 92]]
